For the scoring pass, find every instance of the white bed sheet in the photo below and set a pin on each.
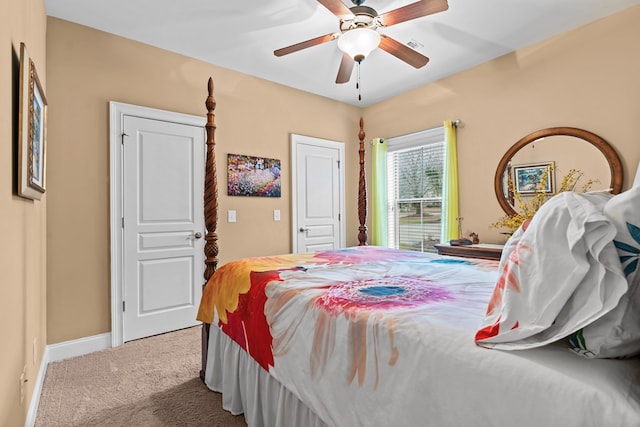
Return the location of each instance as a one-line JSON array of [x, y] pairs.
[[546, 386], [248, 389]]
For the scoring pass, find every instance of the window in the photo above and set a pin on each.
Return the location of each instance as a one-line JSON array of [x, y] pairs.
[[415, 166]]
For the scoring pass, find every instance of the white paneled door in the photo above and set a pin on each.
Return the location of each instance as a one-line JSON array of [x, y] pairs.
[[318, 195], [163, 225]]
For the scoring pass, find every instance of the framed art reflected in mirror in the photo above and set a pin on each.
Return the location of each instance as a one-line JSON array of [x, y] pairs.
[[532, 178], [31, 130]]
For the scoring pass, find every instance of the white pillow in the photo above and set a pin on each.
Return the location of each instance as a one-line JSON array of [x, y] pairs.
[[617, 334], [557, 276]]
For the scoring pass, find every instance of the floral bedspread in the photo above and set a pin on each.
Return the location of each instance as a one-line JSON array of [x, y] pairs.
[[357, 316], [253, 297]]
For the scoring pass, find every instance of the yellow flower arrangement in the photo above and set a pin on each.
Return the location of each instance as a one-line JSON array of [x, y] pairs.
[[526, 209]]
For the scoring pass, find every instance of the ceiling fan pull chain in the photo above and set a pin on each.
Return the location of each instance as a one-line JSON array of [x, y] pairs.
[[358, 81]]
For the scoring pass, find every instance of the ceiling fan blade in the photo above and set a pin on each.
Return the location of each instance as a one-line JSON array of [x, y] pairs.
[[413, 11], [305, 44], [402, 52], [346, 67], [337, 8]]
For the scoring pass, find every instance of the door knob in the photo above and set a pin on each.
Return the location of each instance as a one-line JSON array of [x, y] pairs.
[[197, 235], [302, 229]]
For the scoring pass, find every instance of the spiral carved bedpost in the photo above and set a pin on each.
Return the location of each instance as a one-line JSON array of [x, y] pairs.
[[210, 190], [362, 191], [210, 212]]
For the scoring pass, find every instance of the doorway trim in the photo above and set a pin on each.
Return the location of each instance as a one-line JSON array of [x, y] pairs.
[[326, 143], [117, 112]]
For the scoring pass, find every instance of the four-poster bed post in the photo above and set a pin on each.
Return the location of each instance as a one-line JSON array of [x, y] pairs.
[[362, 191], [210, 189], [210, 210]]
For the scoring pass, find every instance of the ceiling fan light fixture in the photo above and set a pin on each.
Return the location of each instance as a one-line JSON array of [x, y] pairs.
[[359, 42]]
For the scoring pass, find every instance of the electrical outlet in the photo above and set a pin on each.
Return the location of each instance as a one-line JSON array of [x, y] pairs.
[[23, 381], [231, 216], [276, 214]]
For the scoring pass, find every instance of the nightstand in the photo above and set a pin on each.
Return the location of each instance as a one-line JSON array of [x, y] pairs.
[[481, 250]]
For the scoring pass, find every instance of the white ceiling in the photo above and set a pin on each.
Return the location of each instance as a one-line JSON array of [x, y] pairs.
[[242, 35]]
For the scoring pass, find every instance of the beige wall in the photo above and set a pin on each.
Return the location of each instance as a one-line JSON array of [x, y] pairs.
[[89, 68], [587, 78], [22, 221]]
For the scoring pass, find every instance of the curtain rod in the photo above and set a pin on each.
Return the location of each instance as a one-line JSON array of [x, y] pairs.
[[456, 123]]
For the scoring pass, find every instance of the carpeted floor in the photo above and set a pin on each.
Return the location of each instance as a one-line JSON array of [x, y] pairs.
[[148, 382]]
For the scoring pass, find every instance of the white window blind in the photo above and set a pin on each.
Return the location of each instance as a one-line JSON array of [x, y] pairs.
[[415, 165]]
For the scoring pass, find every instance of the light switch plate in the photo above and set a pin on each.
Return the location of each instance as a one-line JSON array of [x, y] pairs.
[[276, 214], [231, 216]]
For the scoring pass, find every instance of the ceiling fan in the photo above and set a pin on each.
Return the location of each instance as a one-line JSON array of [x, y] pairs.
[[358, 34]]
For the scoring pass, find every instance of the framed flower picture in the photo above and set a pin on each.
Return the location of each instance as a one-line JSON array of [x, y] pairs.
[[253, 176], [31, 130]]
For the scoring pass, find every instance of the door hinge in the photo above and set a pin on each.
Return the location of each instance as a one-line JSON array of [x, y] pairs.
[[122, 222], [123, 306], [122, 137], [339, 218], [338, 163]]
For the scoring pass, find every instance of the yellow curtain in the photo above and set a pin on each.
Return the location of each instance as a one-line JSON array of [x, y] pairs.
[[450, 204], [379, 232]]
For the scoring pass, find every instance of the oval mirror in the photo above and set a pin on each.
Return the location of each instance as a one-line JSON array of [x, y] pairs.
[[562, 148]]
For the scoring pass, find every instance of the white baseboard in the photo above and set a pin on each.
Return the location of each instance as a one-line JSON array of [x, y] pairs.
[[79, 347], [58, 352], [37, 390]]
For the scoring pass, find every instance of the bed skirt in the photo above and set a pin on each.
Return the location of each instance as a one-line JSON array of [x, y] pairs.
[[248, 389]]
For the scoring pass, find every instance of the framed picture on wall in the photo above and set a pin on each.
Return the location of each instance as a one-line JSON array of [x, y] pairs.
[[533, 178], [253, 176], [32, 118]]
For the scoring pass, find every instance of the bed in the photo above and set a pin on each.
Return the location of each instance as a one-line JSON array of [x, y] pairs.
[[370, 336]]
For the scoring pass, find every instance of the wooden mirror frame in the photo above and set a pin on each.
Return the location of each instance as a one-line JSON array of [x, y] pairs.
[[615, 165]]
